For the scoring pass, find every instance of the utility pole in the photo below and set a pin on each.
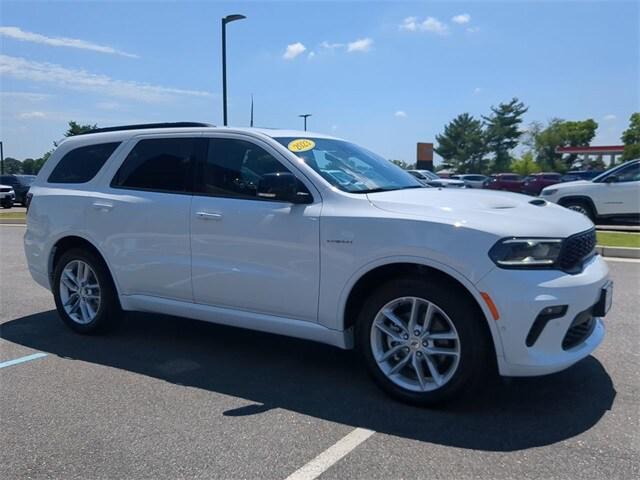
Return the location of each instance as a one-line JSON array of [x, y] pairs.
[[1, 159], [305, 115], [251, 123], [225, 20]]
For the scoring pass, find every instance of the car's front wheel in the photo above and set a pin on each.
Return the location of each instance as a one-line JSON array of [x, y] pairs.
[[84, 293], [422, 341]]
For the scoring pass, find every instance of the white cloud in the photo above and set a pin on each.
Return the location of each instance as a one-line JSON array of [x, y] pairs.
[[31, 115], [18, 34], [432, 24], [311, 55], [610, 117], [360, 45], [410, 24], [25, 96], [400, 114], [334, 128], [331, 46], [429, 24], [473, 29], [293, 51], [477, 90], [461, 19], [76, 79]]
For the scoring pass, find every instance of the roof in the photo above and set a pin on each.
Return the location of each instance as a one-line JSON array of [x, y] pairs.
[[596, 149], [120, 133]]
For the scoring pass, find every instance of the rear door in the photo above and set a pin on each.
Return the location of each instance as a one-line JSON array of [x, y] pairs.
[[141, 216], [251, 253], [621, 196]]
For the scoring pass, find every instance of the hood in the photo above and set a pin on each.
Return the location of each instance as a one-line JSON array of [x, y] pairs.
[[575, 183], [501, 213]]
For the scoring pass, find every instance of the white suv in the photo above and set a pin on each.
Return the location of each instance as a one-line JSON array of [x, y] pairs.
[[614, 193], [254, 228]]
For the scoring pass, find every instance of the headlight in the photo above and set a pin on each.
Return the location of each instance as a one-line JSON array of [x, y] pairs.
[[549, 191], [526, 252]]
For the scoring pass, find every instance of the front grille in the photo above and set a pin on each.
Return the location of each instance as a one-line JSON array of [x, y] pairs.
[[580, 329], [576, 249]]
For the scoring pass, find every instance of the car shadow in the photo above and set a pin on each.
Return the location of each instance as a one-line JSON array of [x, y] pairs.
[[328, 383]]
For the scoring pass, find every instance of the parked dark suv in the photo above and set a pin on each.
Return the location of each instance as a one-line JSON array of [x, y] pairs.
[[534, 183], [20, 184], [505, 181]]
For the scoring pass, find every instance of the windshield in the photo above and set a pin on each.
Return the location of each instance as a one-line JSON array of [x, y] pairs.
[[349, 167]]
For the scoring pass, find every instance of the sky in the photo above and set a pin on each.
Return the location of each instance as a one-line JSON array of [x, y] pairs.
[[382, 74]]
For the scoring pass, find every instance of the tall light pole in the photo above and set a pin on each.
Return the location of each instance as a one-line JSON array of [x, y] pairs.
[[305, 115], [1, 159], [225, 20]]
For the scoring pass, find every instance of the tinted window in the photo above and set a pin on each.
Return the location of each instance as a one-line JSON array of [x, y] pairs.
[[81, 164], [630, 173], [162, 164], [235, 167], [511, 178], [551, 176]]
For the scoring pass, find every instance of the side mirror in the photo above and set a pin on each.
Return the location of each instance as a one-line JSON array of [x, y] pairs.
[[283, 186], [611, 179]]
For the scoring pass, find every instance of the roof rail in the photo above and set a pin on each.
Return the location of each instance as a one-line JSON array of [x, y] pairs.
[[142, 126]]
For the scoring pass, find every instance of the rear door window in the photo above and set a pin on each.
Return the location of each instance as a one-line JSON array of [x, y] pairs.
[[81, 164], [160, 164]]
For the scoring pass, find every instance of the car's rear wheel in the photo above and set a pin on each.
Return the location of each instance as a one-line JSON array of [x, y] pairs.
[[84, 293], [422, 341], [580, 206]]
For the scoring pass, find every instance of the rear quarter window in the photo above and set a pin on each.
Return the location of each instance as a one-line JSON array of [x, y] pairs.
[[81, 164]]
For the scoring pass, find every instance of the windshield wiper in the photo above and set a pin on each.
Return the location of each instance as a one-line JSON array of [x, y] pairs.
[[376, 190]]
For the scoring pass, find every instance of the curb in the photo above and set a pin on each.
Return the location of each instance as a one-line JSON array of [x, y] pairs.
[[619, 252], [12, 221]]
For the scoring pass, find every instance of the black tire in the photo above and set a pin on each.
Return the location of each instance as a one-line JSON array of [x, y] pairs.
[[109, 311], [474, 360], [7, 204], [581, 206]]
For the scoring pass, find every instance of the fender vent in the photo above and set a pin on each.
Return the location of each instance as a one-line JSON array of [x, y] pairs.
[[538, 202]]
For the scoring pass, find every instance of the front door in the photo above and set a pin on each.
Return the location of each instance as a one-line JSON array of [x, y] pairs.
[[250, 253]]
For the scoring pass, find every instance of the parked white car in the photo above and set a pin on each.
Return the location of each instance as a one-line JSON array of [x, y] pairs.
[[614, 193], [472, 180], [7, 196], [244, 227], [427, 177]]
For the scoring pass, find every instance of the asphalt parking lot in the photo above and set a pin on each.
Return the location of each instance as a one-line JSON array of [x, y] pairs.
[[171, 398]]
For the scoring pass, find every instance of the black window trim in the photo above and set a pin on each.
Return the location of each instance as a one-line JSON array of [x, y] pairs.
[[191, 182], [197, 179]]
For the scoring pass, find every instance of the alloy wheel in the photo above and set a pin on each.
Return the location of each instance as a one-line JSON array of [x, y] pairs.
[[80, 292], [415, 344]]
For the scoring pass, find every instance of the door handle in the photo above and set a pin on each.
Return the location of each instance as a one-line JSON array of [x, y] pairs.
[[209, 216], [104, 206]]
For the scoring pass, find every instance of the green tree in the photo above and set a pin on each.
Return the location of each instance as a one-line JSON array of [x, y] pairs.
[[29, 166], [502, 132], [631, 138], [525, 165], [560, 133], [76, 129], [462, 144], [12, 166], [402, 164]]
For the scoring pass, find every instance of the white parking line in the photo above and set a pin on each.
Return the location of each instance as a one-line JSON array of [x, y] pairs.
[[28, 358], [331, 455]]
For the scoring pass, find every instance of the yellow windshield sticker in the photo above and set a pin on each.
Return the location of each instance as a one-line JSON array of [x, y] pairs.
[[301, 145]]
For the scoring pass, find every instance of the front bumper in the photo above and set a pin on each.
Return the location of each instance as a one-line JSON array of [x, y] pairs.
[[520, 295]]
